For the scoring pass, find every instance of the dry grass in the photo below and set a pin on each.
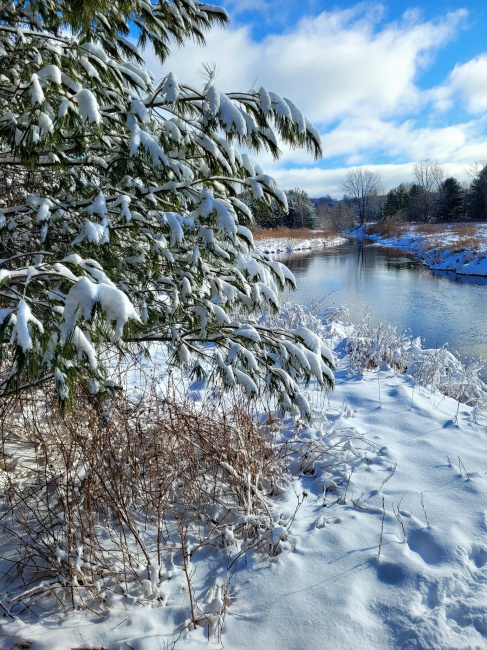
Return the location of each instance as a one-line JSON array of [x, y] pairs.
[[98, 501], [461, 237], [457, 229], [292, 233]]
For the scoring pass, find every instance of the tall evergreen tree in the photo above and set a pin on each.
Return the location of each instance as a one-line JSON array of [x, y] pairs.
[[451, 199], [414, 208], [397, 200], [477, 200], [301, 213], [120, 202]]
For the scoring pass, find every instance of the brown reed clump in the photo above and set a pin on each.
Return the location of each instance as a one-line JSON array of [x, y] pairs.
[[98, 501], [292, 233]]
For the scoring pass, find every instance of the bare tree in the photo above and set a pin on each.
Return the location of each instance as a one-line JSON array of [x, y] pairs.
[[429, 175], [361, 185], [337, 216]]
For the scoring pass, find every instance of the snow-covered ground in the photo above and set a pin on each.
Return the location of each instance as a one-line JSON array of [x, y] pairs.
[[444, 247], [388, 548], [290, 244]]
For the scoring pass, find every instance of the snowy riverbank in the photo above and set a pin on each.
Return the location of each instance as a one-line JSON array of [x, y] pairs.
[[380, 530], [461, 248], [275, 245]]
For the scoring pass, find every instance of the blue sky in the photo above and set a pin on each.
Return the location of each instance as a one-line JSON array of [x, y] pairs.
[[386, 83]]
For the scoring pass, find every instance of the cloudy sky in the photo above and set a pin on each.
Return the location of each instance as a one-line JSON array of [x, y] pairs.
[[386, 84]]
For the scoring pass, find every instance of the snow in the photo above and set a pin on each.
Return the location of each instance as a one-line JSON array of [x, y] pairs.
[[80, 301], [88, 106], [36, 93], [428, 591], [140, 137], [51, 72], [90, 69], [22, 331], [98, 206], [276, 245], [170, 88], [45, 124], [441, 249], [265, 100], [387, 549]]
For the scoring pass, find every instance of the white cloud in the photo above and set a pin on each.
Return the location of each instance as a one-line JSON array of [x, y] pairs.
[[318, 182], [467, 82], [357, 138], [361, 142], [341, 63], [356, 76]]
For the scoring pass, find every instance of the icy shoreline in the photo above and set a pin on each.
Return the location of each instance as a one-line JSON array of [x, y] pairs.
[[289, 245], [433, 250]]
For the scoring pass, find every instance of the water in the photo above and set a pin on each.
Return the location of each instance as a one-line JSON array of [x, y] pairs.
[[439, 307]]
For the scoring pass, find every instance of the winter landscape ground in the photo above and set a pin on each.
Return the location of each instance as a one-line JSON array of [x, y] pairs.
[[186, 462], [380, 528], [458, 247]]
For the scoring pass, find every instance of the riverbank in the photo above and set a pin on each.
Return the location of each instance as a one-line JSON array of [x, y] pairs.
[[460, 248], [286, 240], [380, 528]]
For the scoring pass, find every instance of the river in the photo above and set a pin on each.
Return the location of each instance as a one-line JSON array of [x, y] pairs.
[[439, 307]]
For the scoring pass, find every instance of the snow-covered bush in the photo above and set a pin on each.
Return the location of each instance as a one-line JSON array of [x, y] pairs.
[[120, 198], [440, 369], [369, 348]]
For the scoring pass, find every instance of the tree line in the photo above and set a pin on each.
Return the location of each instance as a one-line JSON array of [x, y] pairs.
[[430, 196]]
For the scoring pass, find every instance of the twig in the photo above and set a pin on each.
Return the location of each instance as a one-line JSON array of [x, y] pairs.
[[388, 478], [186, 573], [424, 510], [397, 515], [462, 465], [381, 528]]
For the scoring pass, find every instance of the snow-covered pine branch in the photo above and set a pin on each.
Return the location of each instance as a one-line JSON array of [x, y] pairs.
[[120, 204]]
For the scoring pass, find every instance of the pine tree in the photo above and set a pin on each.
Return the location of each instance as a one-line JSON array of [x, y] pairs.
[[396, 200], [265, 214], [477, 202], [451, 199], [119, 215], [414, 208], [301, 213]]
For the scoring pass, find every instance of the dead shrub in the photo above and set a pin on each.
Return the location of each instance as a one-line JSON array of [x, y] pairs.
[[101, 501], [388, 227]]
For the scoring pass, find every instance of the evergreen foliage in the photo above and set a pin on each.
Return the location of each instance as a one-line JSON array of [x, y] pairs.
[[301, 213], [121, 198], [298, 213], [477, 204], [397, 200], [451, 199]]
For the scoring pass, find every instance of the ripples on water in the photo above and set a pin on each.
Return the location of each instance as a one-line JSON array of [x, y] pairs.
[[439, 307]]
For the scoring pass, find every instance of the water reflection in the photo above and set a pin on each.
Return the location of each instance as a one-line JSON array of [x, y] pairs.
[[462, 279], [439, 307]]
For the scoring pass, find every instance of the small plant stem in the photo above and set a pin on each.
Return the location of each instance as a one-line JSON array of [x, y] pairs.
[[186, 573], [382, 528]]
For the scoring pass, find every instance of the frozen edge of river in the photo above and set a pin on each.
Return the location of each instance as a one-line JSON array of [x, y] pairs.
[[463, 263]]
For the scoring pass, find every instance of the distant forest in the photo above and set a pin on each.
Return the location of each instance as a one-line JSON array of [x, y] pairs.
[[430, 196]]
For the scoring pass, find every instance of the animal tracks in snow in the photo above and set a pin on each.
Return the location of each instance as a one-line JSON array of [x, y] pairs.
[[478, 556], [429, 545]]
